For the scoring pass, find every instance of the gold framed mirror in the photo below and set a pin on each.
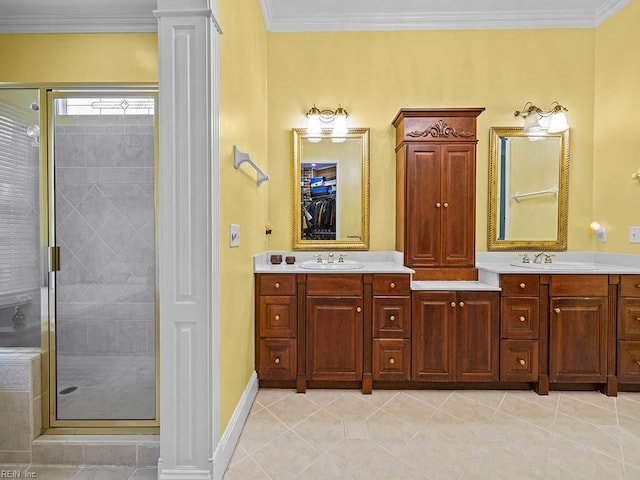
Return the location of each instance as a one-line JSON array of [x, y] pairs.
[[528, 189], [331, 190]]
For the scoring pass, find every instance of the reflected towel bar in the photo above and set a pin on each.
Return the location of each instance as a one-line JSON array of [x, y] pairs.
[[517, 196], [240, 157]]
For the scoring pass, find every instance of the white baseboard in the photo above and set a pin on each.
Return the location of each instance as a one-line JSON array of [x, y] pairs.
[[231, 435]]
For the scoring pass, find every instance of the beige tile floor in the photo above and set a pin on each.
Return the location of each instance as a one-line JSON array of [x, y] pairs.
[[439, 435]]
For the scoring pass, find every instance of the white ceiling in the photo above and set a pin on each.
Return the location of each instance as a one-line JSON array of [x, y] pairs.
[[44, 16]]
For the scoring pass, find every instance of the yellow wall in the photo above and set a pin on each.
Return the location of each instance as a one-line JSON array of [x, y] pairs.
[[374, 74], [78, 58], [616, 198], [243, 120]]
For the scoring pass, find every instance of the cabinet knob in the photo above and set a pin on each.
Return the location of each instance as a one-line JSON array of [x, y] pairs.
[[277, 317], [461, 304], [438, 205], [445, 205], [522, 319], [638, 319], [522, 285], [358, 309], [392, 285], [392, 361], [638, 285], [453, 304], [277, 360], [277, 285], [638, 362], [522, 362], [392, 318], [557, 310]]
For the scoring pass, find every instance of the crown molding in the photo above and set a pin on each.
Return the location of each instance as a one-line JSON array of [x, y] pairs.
[[608, 9], [267, 13], [66, 23]]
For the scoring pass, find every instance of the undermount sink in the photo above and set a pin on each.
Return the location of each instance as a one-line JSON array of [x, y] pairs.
[[556, 265], [344, 265]]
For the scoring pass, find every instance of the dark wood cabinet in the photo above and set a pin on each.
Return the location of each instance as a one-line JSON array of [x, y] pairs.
[[629, 330], [435, 191], [455, 336], [578, 320]]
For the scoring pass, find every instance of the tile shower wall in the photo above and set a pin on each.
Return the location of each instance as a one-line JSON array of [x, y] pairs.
[[105, 227]]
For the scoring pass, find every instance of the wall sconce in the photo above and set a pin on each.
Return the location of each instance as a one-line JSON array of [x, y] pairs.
[[553, 120], [317, 117], [33, 132], [599, 231]]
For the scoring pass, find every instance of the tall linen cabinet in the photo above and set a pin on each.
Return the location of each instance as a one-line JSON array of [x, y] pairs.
[[436, 191]]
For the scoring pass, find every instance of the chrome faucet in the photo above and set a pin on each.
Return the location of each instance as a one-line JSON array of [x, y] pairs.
[[318, 258], [330, 258], [540, 256]]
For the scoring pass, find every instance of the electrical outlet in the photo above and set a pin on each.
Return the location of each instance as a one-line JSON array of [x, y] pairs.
[[234, 235], [634, 234]]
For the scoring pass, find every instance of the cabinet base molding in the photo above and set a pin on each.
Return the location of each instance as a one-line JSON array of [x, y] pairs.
[[611, 387], [542, 387], [301, 383], [580, 387], [417, 385], [628, 387], [429, 273], [367, 383]]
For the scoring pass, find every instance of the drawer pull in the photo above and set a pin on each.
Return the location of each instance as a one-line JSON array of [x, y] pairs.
[[522, 285], [638, 362], [453, 304], [522, 319], [277, 360], [392, 361], [522, 362], [638, 319], [438, 205], [461, 304], [392, 318], [392, 285], [557, 310], [358, 309], [277, 317], [277, 285], [637, 285], [445, 205]]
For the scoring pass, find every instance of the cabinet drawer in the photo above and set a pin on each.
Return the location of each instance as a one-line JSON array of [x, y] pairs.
[[630, 285], [629, 318], [519, 360], [334, 285], [520, 285], [277, 317], [392, 317], [391, 285], [277, 284], [629, 362], [579, 285], [519, 317], [277, 359], [391, 359]]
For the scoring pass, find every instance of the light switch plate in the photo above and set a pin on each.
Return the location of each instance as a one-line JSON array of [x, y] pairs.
[[601, 235], [234, 235], [634, 234]]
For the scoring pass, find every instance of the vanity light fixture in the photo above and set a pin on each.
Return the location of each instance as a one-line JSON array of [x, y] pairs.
[[553, 120], [317, 117]]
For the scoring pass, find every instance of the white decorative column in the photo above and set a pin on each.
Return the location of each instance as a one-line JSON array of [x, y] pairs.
[[188, 243]]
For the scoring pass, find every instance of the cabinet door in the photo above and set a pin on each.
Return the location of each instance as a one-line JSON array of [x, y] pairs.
[[433, 336], [334, 338], [577, 339], [423, 206], [478, 336], [458, 205]]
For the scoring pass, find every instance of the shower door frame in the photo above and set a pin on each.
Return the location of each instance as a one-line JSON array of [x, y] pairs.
[[50, 423]]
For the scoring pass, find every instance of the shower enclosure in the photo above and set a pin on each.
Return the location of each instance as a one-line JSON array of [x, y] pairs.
[[97, 275]]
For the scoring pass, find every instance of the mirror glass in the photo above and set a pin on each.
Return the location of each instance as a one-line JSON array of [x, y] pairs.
[[528, 189], [331, 190]]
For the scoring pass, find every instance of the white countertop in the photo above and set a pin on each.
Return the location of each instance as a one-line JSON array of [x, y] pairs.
[[447, 285], [372, 262]]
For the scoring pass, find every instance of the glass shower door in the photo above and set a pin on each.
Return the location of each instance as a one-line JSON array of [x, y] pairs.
[[103, 228]]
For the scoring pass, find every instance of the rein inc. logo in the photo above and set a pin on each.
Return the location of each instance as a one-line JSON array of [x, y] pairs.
[[17, 474]]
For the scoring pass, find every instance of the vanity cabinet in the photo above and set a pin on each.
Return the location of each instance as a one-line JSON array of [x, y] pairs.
[[629, 329], [334, 327], [519, 328], [455, 336], [391, 327], [276, 326], [435, 191], [578, 319]]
